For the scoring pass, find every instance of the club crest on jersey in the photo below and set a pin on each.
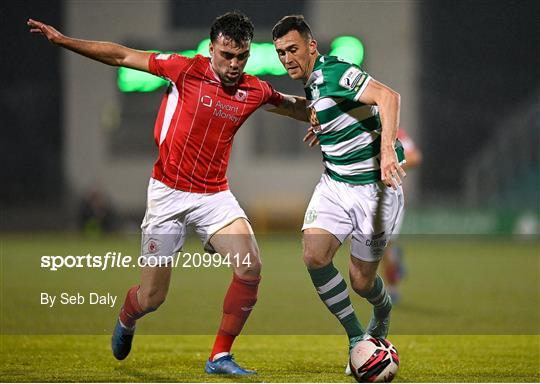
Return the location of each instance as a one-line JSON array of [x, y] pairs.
[[206, 101], [351, 77], [240, 95], [310, 217], [315, 92], [152, 246]]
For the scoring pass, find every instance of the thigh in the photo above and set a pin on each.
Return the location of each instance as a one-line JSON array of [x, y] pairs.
[[320, 246], [327, 209], [155, 281], [237, 242], [163, 227], [219, 212]]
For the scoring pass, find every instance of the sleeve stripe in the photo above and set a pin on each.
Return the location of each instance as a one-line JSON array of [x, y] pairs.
[[362, 88]]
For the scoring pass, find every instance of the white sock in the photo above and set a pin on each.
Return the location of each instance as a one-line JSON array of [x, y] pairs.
[[219, 355]]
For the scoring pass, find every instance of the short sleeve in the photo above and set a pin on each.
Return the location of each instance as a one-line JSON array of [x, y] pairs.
[[271, 96], [168, 66], [344, 80]]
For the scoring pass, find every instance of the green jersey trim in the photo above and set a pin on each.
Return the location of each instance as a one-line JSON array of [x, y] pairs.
[[361, 179], [348, 80], [400, 152]]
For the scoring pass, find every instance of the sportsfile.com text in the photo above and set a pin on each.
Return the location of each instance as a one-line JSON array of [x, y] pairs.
[[117, 260]]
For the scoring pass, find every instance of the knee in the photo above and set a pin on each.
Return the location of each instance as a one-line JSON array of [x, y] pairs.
[[248, 264], [315, 257], [318, 250], [151, 299], [314, 260]]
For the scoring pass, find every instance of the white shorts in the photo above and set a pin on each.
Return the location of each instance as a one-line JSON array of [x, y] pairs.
[[369, 212], [170, 211], [397, 228]]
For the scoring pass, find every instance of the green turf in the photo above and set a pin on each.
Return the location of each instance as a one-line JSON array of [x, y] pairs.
[[455, 286], [277, 359]]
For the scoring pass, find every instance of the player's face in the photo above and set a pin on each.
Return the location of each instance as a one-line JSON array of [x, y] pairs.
[[229, 59], [297, 54]]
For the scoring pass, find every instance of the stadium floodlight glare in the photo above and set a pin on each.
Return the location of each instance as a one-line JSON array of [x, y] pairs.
[[263, 60], [132, 80], [348, 48], [202, 48]]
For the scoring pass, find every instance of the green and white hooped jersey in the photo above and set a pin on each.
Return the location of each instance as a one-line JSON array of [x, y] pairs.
[[350, 131]]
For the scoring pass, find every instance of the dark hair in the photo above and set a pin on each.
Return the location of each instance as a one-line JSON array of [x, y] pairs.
[[291, 23], [233, 25]]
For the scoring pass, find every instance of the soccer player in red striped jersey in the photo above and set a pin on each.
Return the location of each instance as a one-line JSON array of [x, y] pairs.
[[206, 102]]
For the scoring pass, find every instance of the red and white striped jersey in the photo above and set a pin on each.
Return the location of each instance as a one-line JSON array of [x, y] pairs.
[[197, 120]]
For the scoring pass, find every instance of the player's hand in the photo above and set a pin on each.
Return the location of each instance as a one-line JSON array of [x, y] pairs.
[[391, 171], [49, 32], [311, 138]]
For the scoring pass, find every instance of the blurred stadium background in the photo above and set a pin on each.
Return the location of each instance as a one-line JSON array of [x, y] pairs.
[[468, 74]]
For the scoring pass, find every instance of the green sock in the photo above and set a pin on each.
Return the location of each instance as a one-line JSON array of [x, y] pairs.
[[332, 290], [380, 299]]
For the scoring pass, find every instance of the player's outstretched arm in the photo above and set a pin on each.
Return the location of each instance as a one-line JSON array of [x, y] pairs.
[[105, 52], [388, 102], [292, 106]]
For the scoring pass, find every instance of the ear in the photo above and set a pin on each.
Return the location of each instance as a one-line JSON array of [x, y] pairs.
[[211, 49], [313, 46]]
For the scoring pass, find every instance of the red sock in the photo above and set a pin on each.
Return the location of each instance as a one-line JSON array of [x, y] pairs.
[[131, 311], [239, 301]]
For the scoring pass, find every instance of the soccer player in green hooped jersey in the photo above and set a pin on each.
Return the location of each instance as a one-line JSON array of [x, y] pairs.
[[355, 119]]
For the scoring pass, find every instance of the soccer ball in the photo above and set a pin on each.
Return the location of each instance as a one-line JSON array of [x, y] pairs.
[[374, 361]]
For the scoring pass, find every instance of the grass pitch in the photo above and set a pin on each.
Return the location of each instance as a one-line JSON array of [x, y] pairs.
[[283, 358], [470, 313]]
